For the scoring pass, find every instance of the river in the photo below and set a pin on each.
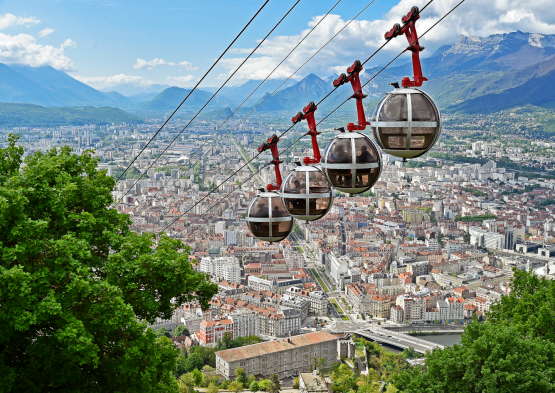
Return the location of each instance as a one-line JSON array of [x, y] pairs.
[[443, 339]]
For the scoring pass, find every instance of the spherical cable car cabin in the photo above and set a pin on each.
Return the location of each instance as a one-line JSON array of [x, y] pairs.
[[306, 193], [407, 122], [352, 162], [267, 218]]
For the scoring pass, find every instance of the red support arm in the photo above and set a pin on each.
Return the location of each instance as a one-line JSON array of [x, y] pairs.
[[409, 30], [308, 114], [354, 77], [271, 145]]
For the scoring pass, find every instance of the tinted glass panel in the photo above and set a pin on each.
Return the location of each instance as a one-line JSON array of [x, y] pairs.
[[422, 137], [259, 229], [260, 208], [422, 108], [340, 152], [318, 206], [395, 108], [341, 178], [317, 182], [375, 113], [365, 151], [278, 210], [394, 137], [282, 229], [366, 177], [296, 206], [296, 183]]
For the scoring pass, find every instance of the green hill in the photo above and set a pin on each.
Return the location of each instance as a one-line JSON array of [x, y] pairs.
[[29, 115]]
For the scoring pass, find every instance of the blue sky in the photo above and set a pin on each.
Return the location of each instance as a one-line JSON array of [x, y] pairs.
[[174, 42]]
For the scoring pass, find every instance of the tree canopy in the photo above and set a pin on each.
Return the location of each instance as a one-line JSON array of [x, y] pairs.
[[75, 281], [512, 351]]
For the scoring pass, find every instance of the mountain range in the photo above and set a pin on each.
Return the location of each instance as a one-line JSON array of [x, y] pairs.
[[476, 74]]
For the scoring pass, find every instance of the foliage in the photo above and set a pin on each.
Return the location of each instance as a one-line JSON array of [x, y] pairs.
[[241, 375], [476, 193], [28, 115], [235, 387], [513, 351], [320, 364], [228, 342], [181, 330], [163, 332], [295, 383], [255, 388], [275, 384], [212, 388], [194, 362], [475, 218], [75, 281], [264, 385]]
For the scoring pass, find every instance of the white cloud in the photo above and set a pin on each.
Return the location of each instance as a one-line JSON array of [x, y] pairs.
[[23, 49], [362, 37], [100, 82], [45, 32], [149, 65], [182, 81], [8, 20]]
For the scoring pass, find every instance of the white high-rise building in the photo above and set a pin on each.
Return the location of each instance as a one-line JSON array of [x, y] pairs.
[[230, 238], [222, 268]]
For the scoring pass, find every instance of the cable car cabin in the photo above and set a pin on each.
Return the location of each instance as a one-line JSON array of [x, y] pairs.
[[406, 123], [352, 163], [267, 218], [306, 193]]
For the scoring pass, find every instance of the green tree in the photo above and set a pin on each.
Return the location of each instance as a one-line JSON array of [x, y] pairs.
[[235, 387], [320, 364], [251, 379], [186, 383], [181, 367], [296, 383], [181, 330], [513, 351], [209, 376], [264, 385], [254, 387], [275, 384], [241, 375], [194, 362], [163, 332], [212, 388], [197, 376], [75, 281]]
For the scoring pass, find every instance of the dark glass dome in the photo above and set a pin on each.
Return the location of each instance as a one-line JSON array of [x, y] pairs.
[[406, 123], [306, 193], [352, 163], [267, 218]]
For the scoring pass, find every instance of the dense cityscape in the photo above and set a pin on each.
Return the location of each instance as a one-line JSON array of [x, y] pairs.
[[433, 244]]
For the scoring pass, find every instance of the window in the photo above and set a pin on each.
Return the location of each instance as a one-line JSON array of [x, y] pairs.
[[242, 364], [253, 360], [265, 358]]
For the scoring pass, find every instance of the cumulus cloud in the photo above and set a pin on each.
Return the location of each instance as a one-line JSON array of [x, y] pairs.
[[362, 37], [182, 81], [100, 82], [8, 20], [149, 65], [45, 32], [23, 49]]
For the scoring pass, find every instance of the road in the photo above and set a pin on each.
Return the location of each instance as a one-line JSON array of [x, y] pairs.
[[399, 340], [245, 158]]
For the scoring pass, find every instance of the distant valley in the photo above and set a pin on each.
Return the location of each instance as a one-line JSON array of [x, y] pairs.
[[475, 75]]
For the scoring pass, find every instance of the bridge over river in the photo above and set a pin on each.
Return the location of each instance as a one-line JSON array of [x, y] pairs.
[[397, 340]]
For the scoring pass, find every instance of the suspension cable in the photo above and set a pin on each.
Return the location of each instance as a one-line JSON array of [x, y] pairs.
[[211, 98], [250, 95], [248, 162], [194, 88], [285, 81]]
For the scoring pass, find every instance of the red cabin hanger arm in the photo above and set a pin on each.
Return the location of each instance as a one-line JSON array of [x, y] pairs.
[[409, 30], [271, 145], [308, 114], [354, 77]]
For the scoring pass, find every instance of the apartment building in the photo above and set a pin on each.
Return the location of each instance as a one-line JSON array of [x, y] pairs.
[[284, 357], [222, 268]]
